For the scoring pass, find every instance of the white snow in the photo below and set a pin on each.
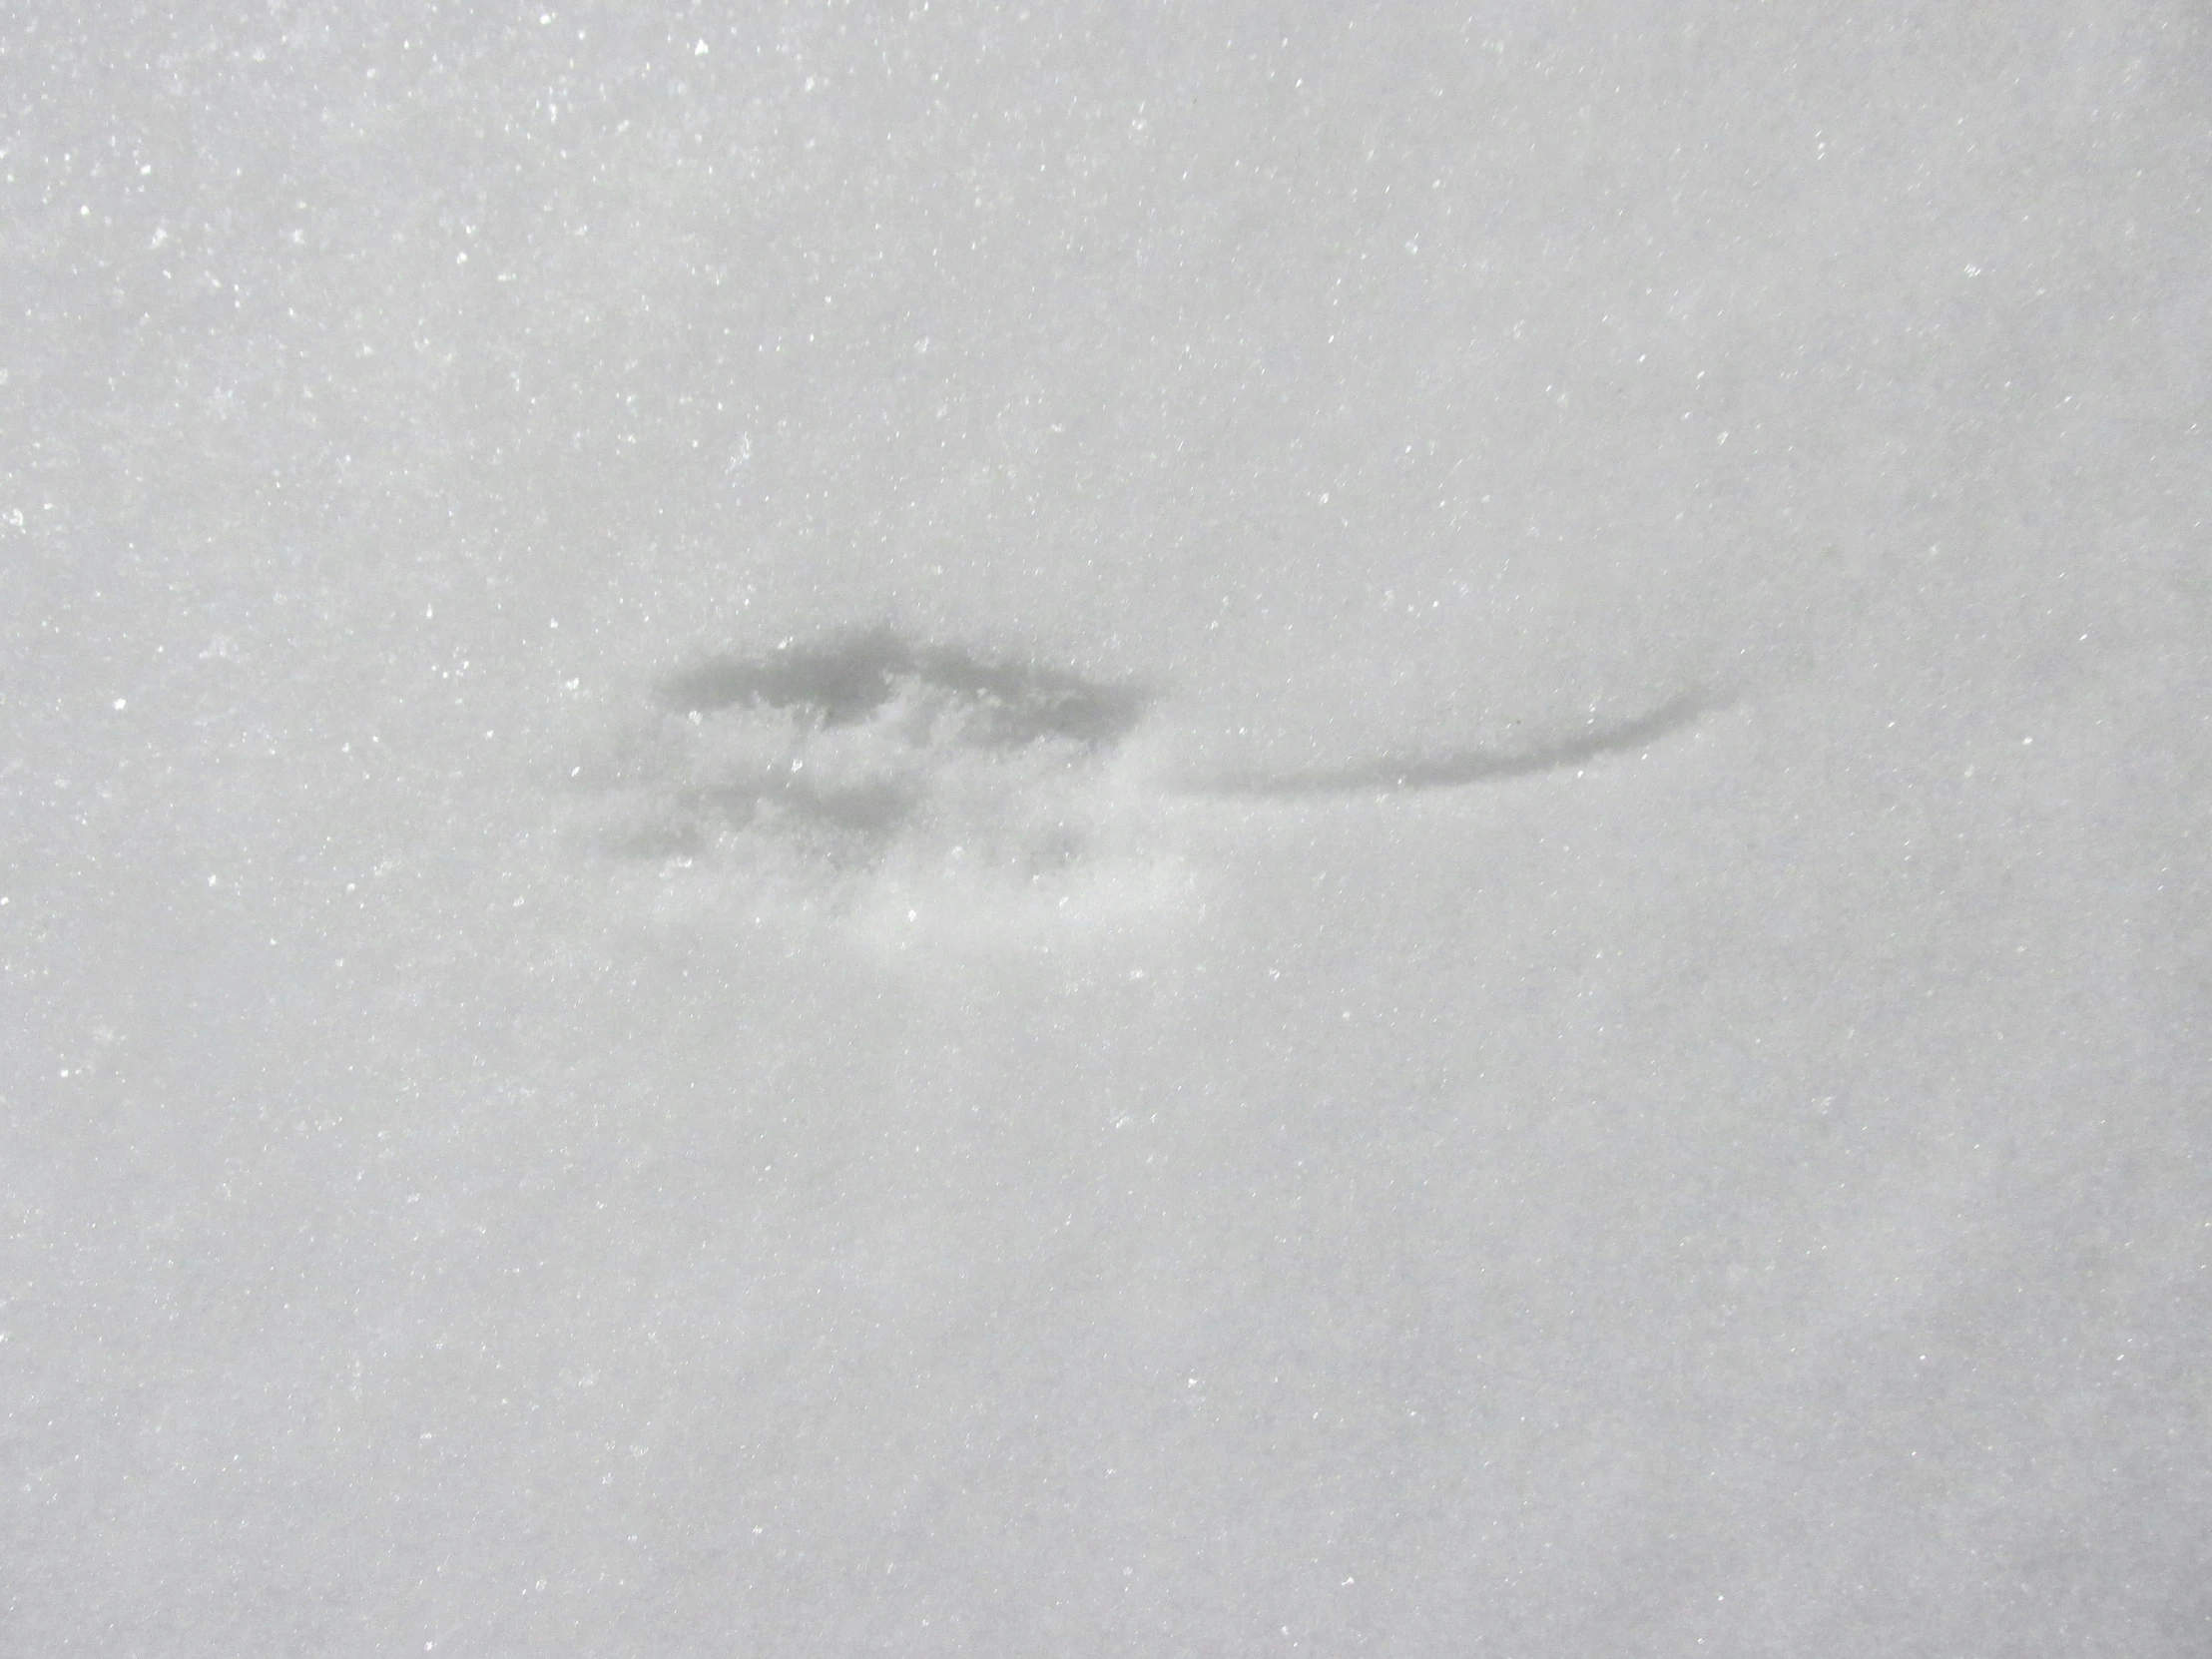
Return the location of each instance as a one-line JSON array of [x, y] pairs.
[[971, 1190]]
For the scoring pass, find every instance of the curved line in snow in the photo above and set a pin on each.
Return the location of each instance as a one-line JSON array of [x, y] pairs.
[[1452, 767]]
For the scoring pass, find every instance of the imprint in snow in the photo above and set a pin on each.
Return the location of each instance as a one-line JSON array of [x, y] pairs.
[[932, 792], [921, 787]]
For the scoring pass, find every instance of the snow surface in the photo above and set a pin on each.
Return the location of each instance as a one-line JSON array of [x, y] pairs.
[[491, 1166]]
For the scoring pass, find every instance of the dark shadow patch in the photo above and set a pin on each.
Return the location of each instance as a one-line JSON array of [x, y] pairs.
[[829, 755], [840, 681], [847, 679], [1469, 766]]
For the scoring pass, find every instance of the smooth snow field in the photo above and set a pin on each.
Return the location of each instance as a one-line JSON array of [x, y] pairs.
[[1105, 829]]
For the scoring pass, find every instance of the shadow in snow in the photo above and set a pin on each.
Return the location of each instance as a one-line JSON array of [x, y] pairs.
[[1395, 773], [850, 678], [867, 768], [837, 753]]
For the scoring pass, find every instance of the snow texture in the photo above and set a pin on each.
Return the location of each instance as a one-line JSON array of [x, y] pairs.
[[1104, 830]]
